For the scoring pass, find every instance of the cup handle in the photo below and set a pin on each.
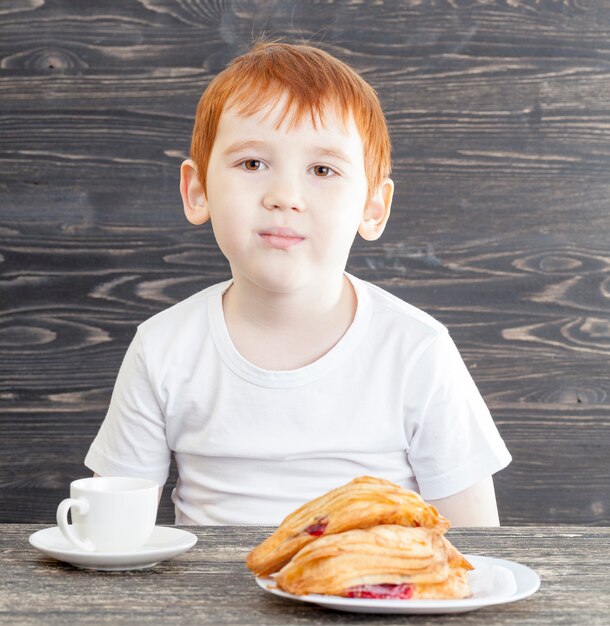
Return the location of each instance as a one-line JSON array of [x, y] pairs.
[[62, 521]]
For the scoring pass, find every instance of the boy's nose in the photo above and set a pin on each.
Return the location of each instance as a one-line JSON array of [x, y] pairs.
[[283, 197]]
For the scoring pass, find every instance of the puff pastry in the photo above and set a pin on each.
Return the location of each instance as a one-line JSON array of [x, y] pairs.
[[375, 562], [362, 503]]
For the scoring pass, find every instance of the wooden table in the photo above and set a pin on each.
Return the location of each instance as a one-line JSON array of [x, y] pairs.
[[211, 585]]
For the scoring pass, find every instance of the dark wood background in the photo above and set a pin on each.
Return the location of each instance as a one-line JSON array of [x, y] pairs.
[[499, 112]]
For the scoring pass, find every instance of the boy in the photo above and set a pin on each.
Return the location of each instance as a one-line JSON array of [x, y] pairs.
[[293, 377]]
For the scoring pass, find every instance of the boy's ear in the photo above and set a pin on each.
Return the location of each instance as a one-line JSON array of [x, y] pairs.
[[193, 198], [377, 211]]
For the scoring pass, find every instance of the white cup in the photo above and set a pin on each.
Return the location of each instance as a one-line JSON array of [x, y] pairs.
[[109, 514]]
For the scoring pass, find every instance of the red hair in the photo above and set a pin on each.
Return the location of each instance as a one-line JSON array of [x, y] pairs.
[[312, 80]]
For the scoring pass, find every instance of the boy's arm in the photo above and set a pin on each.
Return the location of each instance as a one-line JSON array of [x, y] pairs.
[[160, 489], [475, 506]]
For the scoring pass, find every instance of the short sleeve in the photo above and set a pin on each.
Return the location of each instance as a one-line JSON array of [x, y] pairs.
[[132, 440], [453, 441]]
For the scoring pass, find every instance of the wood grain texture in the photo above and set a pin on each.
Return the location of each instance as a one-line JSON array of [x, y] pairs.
[[210, 584], [500, 123]]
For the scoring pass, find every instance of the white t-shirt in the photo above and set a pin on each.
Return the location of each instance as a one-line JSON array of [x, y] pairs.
[[391, 399]]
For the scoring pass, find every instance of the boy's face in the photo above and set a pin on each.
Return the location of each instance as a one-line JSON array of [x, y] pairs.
[[284, 212]]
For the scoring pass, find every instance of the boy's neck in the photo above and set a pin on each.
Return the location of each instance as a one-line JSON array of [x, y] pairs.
[[288, 330]]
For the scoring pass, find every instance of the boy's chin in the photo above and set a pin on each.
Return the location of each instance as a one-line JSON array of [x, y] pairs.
[[285, 280], [283, 283]]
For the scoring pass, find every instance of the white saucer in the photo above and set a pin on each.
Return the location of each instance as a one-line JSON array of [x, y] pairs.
[[493, 581], [164, 543]]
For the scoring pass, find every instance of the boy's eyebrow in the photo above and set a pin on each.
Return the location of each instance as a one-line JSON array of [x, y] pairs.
[[242, 145]]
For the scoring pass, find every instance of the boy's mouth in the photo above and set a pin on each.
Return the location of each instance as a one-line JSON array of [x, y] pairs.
[[281, 237]]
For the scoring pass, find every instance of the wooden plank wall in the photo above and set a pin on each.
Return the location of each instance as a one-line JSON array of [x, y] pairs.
[[500, 118]]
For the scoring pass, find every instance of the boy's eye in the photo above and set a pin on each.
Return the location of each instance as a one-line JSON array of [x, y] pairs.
[[251, 164], [323, 171]]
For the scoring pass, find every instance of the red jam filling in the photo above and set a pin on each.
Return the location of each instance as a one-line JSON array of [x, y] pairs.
[[404, 591], [317, 529]]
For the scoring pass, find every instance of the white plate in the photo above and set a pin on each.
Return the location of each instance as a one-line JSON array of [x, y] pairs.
[[164, 543], [493, 581]]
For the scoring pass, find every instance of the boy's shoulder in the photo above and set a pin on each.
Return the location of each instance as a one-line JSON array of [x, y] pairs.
[[392, 311], [182, 317]]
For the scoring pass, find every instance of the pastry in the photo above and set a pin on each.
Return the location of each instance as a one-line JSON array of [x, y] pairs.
[[386, 561], [362, 503]]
